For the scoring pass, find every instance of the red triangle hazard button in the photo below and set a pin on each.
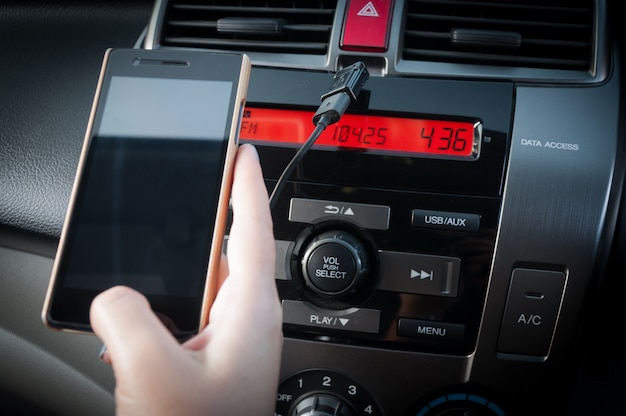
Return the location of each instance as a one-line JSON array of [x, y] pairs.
[[368, 10], [366, 27]]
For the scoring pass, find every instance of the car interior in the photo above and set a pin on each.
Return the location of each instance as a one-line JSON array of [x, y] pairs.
[[454, 245]]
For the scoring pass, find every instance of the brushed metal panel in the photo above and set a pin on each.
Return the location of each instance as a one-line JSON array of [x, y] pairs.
[[560, 174]]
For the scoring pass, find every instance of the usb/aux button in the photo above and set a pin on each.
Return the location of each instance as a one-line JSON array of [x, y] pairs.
[[442, 220]]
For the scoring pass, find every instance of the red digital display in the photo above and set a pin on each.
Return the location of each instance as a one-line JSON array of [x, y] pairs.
[[373, 133]]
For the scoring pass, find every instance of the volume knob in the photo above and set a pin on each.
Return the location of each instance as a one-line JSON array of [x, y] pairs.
[[335, 263]]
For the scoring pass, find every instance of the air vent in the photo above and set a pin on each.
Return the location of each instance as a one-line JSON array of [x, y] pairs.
[[549, 34], [299, 27]]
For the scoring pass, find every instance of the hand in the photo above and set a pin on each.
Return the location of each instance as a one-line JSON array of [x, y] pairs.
[[232, 366]]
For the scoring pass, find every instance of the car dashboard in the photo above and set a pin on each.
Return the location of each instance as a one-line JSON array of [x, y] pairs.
[[452, 246]]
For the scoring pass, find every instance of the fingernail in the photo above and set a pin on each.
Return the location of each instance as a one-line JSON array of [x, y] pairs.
[[256, 153], [103, 351]]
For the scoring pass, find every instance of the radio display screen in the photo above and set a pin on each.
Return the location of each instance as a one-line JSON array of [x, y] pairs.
[[406, 136]]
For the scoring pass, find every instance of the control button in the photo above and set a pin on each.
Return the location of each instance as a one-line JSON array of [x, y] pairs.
[[313, 211], [330, 267], [440, 331], [334, 263], [421, 274], [441, 220], [531, 312], [283, 251], [353, 319], [367, 25]]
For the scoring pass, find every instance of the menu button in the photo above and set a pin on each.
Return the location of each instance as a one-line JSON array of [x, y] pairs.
[[444, 331]]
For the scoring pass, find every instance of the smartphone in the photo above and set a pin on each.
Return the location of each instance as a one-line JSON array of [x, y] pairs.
[[149, 204]]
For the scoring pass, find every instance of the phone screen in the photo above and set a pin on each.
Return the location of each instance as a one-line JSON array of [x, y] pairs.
[[144, 210]]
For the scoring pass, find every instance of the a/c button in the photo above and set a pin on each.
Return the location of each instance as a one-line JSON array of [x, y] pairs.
[[531, 312]]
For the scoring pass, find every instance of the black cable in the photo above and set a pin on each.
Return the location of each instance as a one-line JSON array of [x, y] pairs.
[[282, 180], [346, 86]]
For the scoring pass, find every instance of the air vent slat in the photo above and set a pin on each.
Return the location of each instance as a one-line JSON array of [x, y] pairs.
[[194, 24], [213, 24], [550, 34], [486, 22], [495, 59], [535, 42], [563, 6], [245, 44], [301, 27], [251, 10]]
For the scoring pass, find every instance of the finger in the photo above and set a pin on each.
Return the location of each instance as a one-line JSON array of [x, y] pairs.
[[248, 300], [132, 333], [251, 247], [249, 291], [250, 264]]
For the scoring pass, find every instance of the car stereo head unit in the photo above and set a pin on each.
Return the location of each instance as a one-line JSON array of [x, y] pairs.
[[386, 231]]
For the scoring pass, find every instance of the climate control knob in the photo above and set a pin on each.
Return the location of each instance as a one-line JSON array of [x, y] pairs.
[[335, 263], [321, 404], [322, 392]]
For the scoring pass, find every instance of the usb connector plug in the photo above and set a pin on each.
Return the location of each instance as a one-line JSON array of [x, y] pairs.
[[346, 86]]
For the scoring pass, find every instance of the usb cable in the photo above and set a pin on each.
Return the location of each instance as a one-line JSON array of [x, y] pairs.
[[346, 86]]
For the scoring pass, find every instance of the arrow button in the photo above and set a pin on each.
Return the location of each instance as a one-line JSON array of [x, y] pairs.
[[354, 319], [420, 273], [313, 211]]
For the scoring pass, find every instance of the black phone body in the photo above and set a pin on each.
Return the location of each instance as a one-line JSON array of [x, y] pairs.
[[150, 200]]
